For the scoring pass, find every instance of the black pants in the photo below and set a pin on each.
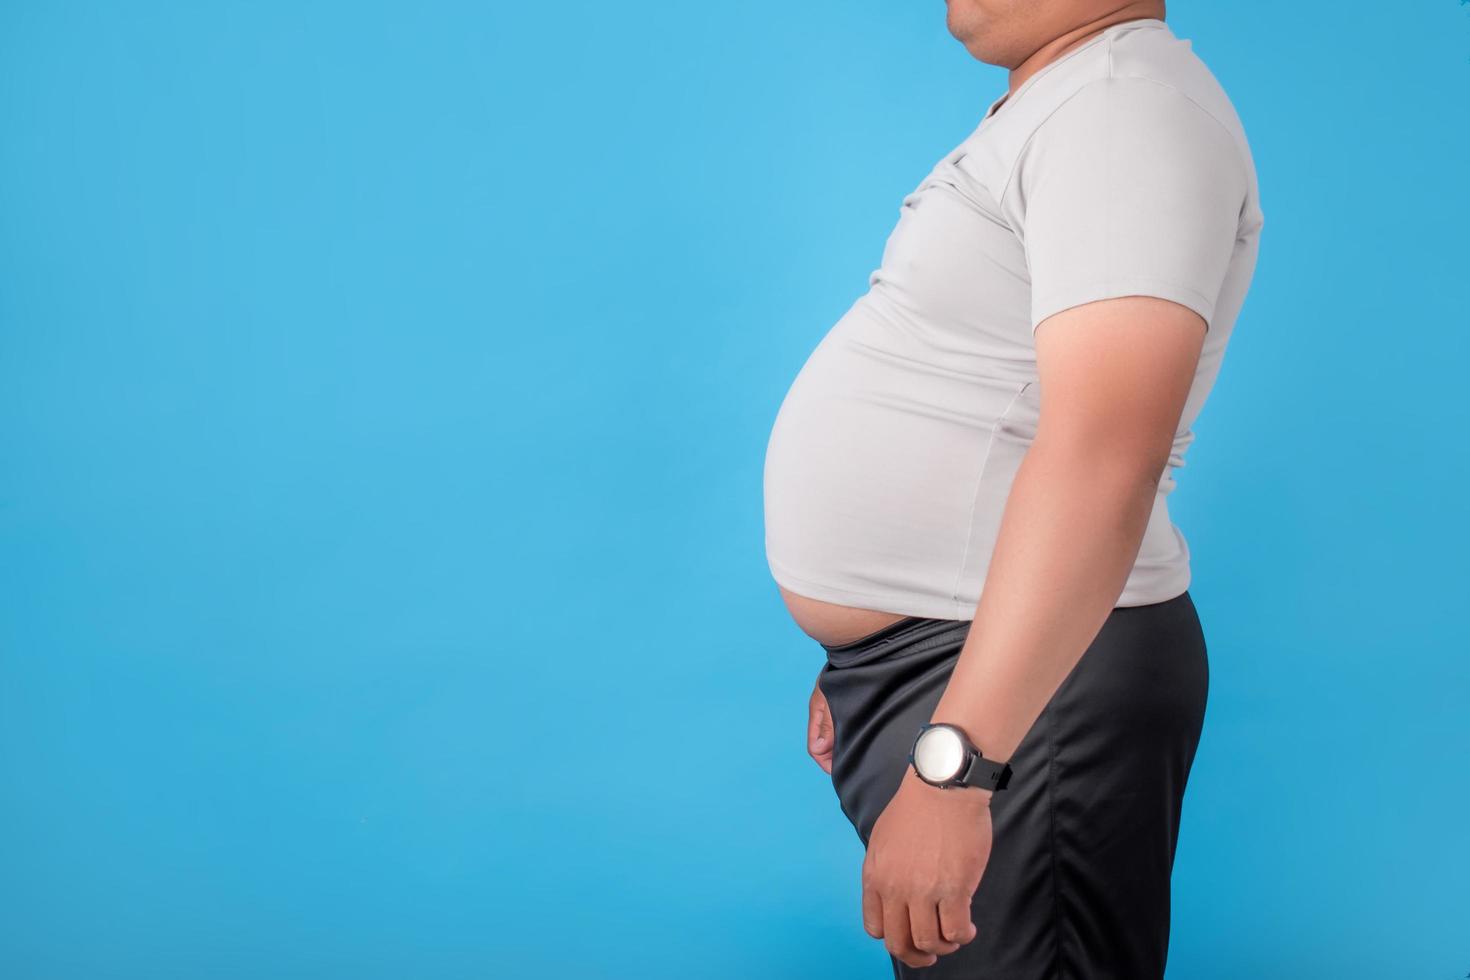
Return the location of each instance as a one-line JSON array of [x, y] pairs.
[[1077, 886]]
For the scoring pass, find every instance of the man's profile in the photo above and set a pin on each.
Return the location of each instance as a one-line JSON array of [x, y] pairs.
[[966, 502]]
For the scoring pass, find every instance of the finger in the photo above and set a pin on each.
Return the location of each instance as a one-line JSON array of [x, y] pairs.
[[825, 744], [819, 740], [897, 936], [872, 908], [955, 921], [818, 729], [924, 927]]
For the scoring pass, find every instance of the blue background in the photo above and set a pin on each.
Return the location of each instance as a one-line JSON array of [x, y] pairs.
[[383, 394]]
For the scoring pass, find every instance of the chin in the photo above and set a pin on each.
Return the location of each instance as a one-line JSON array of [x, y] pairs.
[[971, 30]]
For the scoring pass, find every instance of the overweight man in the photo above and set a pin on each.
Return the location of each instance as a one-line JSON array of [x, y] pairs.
[[966, 502]]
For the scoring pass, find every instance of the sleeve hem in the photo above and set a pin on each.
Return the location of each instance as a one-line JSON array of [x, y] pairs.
[[1041, 308]]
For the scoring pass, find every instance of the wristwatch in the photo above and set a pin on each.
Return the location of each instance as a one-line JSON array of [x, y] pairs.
[[944, 756]]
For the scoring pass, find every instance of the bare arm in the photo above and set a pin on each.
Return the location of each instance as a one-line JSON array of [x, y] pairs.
[[1114, 377]]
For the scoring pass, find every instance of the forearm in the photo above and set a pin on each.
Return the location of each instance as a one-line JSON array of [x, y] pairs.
[[1071, 530]]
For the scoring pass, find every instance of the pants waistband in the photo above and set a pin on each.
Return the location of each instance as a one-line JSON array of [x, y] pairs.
[[910, 632]]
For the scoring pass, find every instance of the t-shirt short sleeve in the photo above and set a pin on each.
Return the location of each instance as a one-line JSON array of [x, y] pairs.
[[1129, 188]]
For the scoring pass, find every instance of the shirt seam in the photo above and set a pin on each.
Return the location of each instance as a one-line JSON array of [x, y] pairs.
[[1111, 76], [1235, 146], [979, 481]]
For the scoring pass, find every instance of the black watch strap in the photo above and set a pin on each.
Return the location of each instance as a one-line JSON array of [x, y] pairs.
[[986, 773]]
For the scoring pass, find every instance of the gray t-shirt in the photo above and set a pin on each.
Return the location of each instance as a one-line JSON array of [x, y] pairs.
[[1119, 169]]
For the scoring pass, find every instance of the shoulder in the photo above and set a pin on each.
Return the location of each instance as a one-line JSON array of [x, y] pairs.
[[1142, 86]]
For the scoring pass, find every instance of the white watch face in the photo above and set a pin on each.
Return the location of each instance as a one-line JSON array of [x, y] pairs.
[[939, 754]]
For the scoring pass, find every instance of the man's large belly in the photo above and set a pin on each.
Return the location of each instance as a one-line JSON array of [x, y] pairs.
[[886, 474], [886, 477], [832, 623]]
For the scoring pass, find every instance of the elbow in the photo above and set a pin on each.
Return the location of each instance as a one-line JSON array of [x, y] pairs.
[[1126, 464]]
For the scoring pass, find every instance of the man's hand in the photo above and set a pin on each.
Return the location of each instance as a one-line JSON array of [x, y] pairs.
[[819, 730], [925, 858]]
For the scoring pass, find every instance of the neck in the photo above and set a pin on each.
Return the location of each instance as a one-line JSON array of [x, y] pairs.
[[1078, 35]]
